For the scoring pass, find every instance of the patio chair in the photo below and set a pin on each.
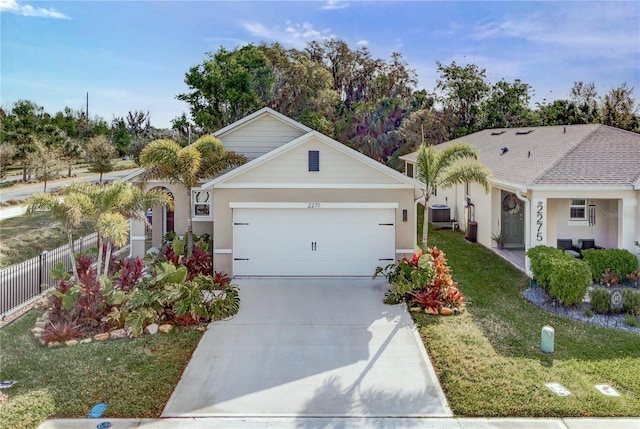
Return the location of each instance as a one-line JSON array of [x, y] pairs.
[[589, 243], [566, 244]]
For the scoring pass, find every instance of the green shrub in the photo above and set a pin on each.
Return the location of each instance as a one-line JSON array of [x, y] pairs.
[[601, 300], [631, 301], [541, 257], [620, 261], [569, 280]]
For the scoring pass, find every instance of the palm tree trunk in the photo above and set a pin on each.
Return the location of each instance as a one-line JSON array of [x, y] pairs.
[[425, 225], [74, 266], [107, 258], [189, 225], [99, 264]]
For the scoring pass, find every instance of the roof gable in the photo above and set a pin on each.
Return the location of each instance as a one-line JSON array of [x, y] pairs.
[[287, 166]]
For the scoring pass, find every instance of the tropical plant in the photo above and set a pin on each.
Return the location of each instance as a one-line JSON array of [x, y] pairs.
[[500, 238], [634, 277], [609, 277], [441, 169], [111, 206], [166, 160], [70, 211]]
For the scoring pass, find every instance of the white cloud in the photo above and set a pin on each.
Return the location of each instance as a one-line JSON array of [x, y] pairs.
[[335, 4], [362, 42], [596, 30], [12, 6], [293, 34]]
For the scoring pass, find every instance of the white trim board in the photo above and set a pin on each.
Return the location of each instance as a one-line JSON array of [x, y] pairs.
[[313, 186], [311, 205]]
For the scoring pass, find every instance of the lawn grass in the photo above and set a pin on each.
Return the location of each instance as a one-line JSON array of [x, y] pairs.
[[489, 361], [25, 237], [134, 377]]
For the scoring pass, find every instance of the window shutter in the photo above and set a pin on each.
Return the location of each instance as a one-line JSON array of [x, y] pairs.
[[314, 160]]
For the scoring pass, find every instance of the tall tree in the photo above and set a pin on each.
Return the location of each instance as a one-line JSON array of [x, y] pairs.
[[441, 169], [227, 86], [464, 90], [100, 154], [619, 108], [7, 155], [508, 106], [46, 162], [166, 160]]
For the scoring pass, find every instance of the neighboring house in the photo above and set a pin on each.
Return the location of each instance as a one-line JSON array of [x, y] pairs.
[[559, 182], [304, 205]]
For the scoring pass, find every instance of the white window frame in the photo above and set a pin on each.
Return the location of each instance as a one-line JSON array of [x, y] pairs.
[[575, 220], [202, 205]]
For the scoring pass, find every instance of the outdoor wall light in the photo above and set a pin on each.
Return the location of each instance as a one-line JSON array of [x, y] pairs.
[[404, 215]]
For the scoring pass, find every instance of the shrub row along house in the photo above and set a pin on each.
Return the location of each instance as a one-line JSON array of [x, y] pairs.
[[303, 204], [574, 182]]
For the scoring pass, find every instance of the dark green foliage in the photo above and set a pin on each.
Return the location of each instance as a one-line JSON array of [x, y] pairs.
[[540, 257], [601, 300], [631, 301], [621, 261], [569, 280], [563, 276]]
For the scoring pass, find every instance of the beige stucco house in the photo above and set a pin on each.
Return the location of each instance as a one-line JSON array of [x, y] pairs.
[[304, 205], [574, 182]]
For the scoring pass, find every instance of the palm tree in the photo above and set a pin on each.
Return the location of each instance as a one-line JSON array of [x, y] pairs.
[[441, 169], [111, 206], [166, 160], [70, 211]]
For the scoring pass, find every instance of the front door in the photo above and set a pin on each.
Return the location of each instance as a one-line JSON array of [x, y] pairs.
[[512, 218]]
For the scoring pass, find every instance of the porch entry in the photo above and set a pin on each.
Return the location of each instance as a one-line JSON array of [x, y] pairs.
[[512, 219]]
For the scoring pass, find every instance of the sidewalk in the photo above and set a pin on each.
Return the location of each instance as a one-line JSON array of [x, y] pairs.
[[346, 422], [12, 211]]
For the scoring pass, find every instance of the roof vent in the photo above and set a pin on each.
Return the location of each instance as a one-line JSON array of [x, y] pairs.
[[521, 133], [497, 133]]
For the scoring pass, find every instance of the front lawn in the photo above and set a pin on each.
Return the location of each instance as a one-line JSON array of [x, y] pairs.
[[134, 377], [489, 361]]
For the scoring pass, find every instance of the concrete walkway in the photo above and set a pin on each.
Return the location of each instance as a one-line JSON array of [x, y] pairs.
[[348, 423], [310, 347]]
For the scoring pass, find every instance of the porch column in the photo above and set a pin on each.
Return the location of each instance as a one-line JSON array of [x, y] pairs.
[[539, 223], [628, 223], [137, 239]]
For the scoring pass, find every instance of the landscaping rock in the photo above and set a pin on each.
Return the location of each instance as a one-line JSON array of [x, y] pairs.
[[101, 337], [166, 328], [54, 344], [118, 333], [444, 311], [86, 341], [415, 309], [201, 328], [37, 332], [41, 324], [71, 343], [43, 342], [151, 329]]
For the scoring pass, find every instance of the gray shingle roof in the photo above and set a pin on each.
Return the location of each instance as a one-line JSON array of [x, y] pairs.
[[592, 155]]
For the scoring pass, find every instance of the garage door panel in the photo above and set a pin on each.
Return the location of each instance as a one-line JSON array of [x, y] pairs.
[[297, 242]]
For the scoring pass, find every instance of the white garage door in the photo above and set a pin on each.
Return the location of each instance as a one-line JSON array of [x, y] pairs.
[[312, 241]]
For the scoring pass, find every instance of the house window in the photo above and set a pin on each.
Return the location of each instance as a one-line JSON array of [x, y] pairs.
[[202, 209], [409, 170], [578, 209], [314, 160]]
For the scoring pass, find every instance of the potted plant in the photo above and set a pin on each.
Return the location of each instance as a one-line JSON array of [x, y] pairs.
[[499, 238]]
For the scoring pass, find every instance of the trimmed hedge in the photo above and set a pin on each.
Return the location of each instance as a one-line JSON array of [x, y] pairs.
[[563, 276], [601, 300], [621, 261], [631, 301]]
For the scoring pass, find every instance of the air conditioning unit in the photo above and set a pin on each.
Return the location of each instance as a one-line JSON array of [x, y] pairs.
[[439, 213]]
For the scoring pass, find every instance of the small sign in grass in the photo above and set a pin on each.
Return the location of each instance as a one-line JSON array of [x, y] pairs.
[[558, 389], [607, 390]]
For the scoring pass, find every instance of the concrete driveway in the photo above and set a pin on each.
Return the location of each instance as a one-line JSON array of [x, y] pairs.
[[310, 347]]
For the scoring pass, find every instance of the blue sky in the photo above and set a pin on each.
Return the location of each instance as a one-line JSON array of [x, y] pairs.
[[132, 55]]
